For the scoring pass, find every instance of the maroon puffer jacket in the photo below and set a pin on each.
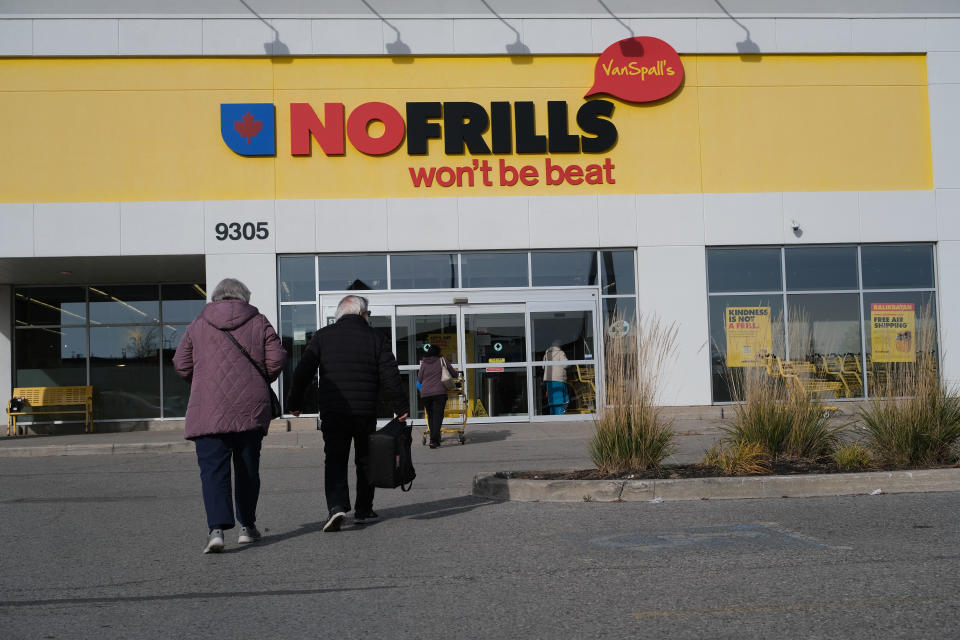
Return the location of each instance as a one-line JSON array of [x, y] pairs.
[[226, 393]]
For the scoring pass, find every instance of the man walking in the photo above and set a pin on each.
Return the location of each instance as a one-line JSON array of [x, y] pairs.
[[354, 363]]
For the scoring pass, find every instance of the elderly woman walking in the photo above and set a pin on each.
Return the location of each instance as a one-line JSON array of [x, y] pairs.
[[230, 407]]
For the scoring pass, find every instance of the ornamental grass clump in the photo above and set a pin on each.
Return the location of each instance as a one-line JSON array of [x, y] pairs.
[[632, 432], [738, 459], [775, 413], [852, 457], [913, 417]]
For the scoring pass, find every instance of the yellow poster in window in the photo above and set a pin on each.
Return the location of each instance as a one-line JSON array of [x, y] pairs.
[[748, 336], [893, 330]]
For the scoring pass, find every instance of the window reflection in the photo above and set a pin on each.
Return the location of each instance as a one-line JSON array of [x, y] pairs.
[[618, 272], [620, 316], [297, 279], [50, 306], [821, 268], [122, 304], [564, 268], [123, 371], [423, 271], [744, 270], [898, 266], [414, 333], [182, 302], [298, 323], [176, 390], [494, 270], [351, 273], [51, 357], [570, 332], [730, 347]]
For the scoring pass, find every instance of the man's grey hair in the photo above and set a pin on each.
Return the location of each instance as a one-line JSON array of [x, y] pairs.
[[230, 289], [351, 306]]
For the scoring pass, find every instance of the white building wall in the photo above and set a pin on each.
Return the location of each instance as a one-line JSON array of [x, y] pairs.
[[943, 76]]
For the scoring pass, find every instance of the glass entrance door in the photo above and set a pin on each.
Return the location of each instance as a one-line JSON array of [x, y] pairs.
[[486, 343], [565, 360], [532, 360]]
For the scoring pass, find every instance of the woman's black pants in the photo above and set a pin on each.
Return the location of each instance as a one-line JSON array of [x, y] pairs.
[[434, 406]]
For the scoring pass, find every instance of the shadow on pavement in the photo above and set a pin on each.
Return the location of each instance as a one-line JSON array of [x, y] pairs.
[[486, 436], [419, 511], [435, 508]]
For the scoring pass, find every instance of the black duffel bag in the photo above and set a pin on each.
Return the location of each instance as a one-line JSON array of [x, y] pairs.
[[390, 464]]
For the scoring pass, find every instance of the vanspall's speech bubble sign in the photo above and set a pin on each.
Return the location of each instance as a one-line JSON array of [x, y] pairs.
[[640, 69]]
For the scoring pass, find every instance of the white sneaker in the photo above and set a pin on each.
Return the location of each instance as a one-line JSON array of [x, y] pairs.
[[335, 521], [249, 534], [214, 542]]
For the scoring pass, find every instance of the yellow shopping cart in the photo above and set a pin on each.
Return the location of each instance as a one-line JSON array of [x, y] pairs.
[[456, 410]]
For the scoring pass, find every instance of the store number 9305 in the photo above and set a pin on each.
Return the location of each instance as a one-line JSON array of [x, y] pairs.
[[242, 231]]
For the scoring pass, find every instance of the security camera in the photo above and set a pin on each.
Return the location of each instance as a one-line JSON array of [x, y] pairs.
[[795, 225]]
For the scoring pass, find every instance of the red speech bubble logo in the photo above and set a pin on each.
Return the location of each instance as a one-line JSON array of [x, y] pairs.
[[641, 69]]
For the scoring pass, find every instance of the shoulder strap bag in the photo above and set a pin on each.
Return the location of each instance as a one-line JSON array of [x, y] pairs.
[[447, 380], [275, 409]]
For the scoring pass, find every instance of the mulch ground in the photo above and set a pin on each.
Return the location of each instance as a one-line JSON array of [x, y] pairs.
[[780, 467]]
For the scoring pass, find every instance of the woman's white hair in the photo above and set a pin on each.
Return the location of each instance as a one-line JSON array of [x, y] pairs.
[[230, 289], [351, 306]]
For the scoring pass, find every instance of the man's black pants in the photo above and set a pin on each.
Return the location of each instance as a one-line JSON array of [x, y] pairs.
[[338, 432]]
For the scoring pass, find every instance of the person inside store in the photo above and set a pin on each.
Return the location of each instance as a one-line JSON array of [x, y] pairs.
[[229, 354], [555, 380], [354, 363], [433, 393]]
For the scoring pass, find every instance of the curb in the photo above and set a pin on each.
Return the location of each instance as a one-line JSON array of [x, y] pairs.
[[487, 485], [95, 449]]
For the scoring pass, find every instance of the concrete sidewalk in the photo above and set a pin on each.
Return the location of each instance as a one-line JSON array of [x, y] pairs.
[[695, 435]]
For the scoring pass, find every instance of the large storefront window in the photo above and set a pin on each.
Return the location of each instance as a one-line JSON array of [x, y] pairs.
[[816, 315], [120, 339], [495, 315]]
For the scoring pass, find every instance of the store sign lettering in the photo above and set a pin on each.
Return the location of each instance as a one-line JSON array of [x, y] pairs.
[[460, 125], [641, 69]]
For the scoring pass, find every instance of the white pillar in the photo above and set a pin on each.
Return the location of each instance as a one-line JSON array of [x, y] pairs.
[[256, 270], [673, 284], [943, 77], [6, 347]]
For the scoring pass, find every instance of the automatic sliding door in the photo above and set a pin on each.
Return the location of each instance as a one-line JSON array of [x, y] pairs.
[[417, 329], [564, 353], [495, 360]]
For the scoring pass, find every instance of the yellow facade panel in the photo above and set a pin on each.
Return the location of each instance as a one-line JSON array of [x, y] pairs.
[[149, 129], [126, 146], [814, 139], [811, 70], [134, 74]]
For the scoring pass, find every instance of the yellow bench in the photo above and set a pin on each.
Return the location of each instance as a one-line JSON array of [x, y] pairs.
[[46, 397]]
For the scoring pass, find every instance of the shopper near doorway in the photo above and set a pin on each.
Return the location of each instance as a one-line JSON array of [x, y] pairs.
[[229, 409], [555, 380], [354, 363], [433, 393]]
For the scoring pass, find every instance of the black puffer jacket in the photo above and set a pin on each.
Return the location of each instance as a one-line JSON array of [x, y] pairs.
[[353, 362]]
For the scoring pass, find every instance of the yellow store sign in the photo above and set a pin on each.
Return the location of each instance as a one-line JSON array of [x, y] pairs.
[[142, 129]]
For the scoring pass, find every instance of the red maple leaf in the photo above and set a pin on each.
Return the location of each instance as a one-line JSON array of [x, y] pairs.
[[248, 127]]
